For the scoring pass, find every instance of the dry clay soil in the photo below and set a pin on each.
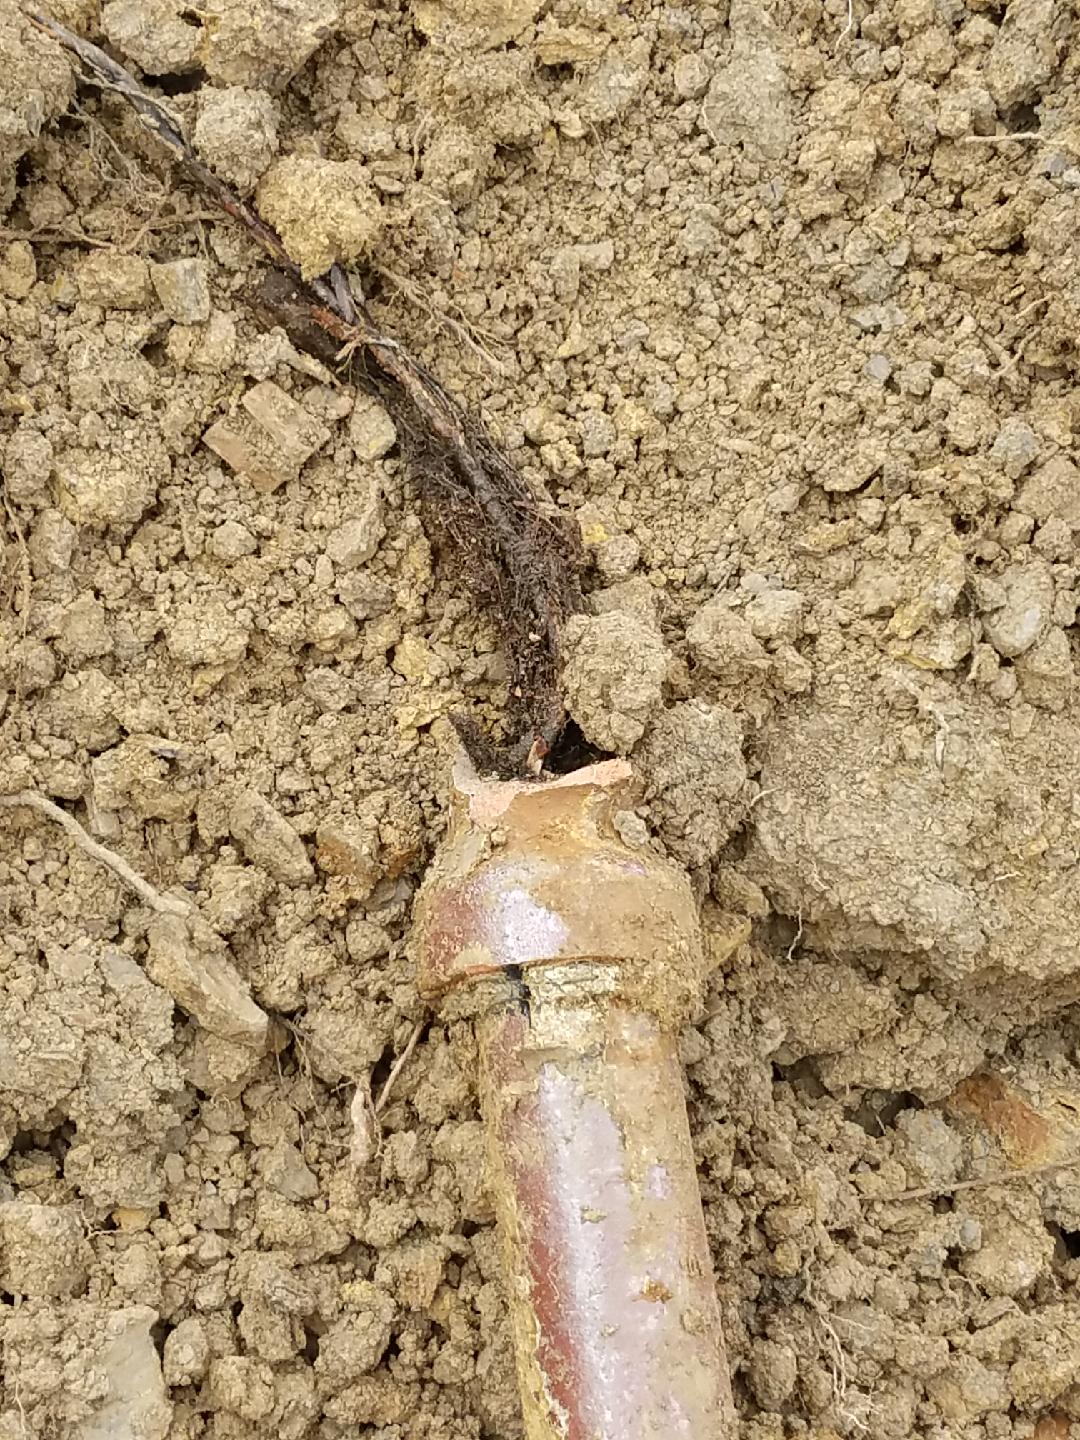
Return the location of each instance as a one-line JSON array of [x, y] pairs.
[[781, 302]]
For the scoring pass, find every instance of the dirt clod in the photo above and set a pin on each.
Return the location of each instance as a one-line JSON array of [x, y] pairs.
[[774, 309]]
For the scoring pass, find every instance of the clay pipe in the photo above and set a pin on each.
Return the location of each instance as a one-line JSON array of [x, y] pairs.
[[577, 959]]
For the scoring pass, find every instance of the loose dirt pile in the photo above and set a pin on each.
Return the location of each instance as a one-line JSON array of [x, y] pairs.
[[778, 310]]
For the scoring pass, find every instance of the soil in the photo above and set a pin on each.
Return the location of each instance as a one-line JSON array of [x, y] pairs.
[[780, 302]]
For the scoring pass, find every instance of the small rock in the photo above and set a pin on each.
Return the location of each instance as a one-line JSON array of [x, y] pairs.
[[613, 677], [966, 1390], [189, 961], [691, 76], [154, 34], [723, 644], [43, 1250], [236, 133], [51, 544], [204, 349], [489, 23], [348, 851], [271, 447], [1016, 1246], [269, 840], [695, 774], [284, 1168], [749, 100], [28, 467], [237, 895], [1029, 597], [325, 211], [18, 270], [366, 941], [355, 541], [182, 289], [776, 615], [232, 541], [617, 558], [125, 1362], [930, 1150], [771, 1373], [186, 1353], [1024, 54], [598, 433], [119, 282], [108, 487], [240, 1385], [1015, 447], [371, 430], [791, 672], [358, 1341], [263, 43], [206, 632], [1046, 672], [84, 631], [1053, 492]]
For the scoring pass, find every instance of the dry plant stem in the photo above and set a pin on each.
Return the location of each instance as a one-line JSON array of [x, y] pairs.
[[981, 1182], [399, 1065], [578, 960], [524, 562], [163, 904]]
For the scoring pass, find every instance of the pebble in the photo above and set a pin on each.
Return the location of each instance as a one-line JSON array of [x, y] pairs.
[[366, 941], [1029, 597], [236, 132], [372, 432], [1053, 491], [43, 1252], [28, 466], [231, 541], [131, 1403], [186, 1353], [182, 288], [285, 1170], [691, 76], [268, 839], [1046, 672], [205, 632], [51, 544], [723, 644], [1015, 447], [119, 282], [272, 442], [355, 540], [188, 960], [18, 270], [776, 615]]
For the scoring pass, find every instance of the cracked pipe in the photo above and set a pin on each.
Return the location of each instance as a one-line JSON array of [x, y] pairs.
[[578, 959]]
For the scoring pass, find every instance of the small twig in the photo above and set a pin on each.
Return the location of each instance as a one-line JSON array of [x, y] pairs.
[[1008, 1177], [796, 938], [163, 904], [398, 1066], [850, 21], [1003, 139]]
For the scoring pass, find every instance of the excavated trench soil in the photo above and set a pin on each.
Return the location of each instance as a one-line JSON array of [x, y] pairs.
[[770, 301]]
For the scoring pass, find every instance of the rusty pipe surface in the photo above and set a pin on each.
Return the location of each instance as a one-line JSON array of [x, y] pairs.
[[578, 958]]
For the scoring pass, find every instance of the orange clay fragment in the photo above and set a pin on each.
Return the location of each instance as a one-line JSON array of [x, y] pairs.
[[578, 959]]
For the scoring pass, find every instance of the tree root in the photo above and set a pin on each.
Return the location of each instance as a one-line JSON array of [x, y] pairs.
[[519, 555]]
